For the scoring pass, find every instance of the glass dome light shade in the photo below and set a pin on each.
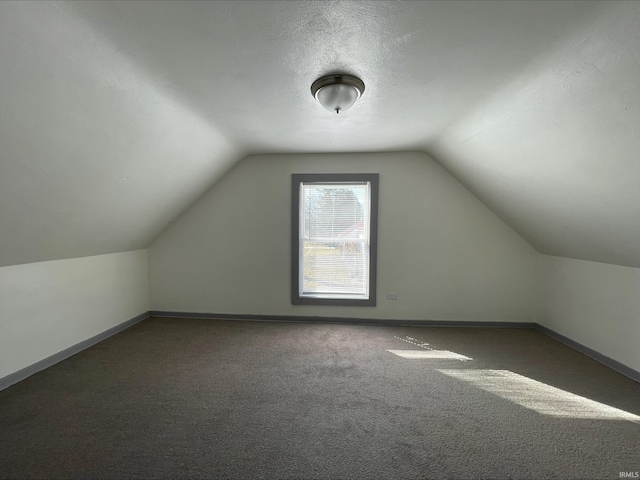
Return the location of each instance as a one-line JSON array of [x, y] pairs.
[[337, 97]]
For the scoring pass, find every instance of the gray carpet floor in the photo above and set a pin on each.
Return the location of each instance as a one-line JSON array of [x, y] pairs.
[[188, 398]]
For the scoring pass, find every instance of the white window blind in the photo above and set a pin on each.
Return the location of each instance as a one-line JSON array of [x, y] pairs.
[[334, 240]]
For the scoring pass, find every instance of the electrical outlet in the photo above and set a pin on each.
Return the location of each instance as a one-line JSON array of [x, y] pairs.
[[392, 296]]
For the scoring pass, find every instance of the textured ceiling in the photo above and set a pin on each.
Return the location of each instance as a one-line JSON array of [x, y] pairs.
[[115, 116]]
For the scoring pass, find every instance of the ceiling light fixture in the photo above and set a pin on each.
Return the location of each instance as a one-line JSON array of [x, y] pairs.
[[337, 93]]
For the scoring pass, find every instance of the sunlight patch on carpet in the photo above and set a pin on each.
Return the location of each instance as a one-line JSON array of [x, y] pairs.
[[539, 396], [429, 354]]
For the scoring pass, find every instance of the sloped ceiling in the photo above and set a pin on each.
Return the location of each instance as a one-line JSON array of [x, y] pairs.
[[115, 116]]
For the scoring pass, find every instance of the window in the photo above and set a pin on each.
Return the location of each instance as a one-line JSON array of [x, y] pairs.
[[333, 235]]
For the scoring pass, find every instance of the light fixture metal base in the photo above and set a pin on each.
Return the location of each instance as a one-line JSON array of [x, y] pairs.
[[339, 79]]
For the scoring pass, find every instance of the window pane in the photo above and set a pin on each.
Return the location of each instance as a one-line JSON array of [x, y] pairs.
[[334, 237], [337, 268], [335, 211]]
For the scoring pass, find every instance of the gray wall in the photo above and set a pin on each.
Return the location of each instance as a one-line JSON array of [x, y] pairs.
[[46, 307], [595, 304], [442, 251]]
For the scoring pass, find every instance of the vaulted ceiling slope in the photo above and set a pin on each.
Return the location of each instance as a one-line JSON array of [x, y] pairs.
[[97, 155], [116, 116]]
